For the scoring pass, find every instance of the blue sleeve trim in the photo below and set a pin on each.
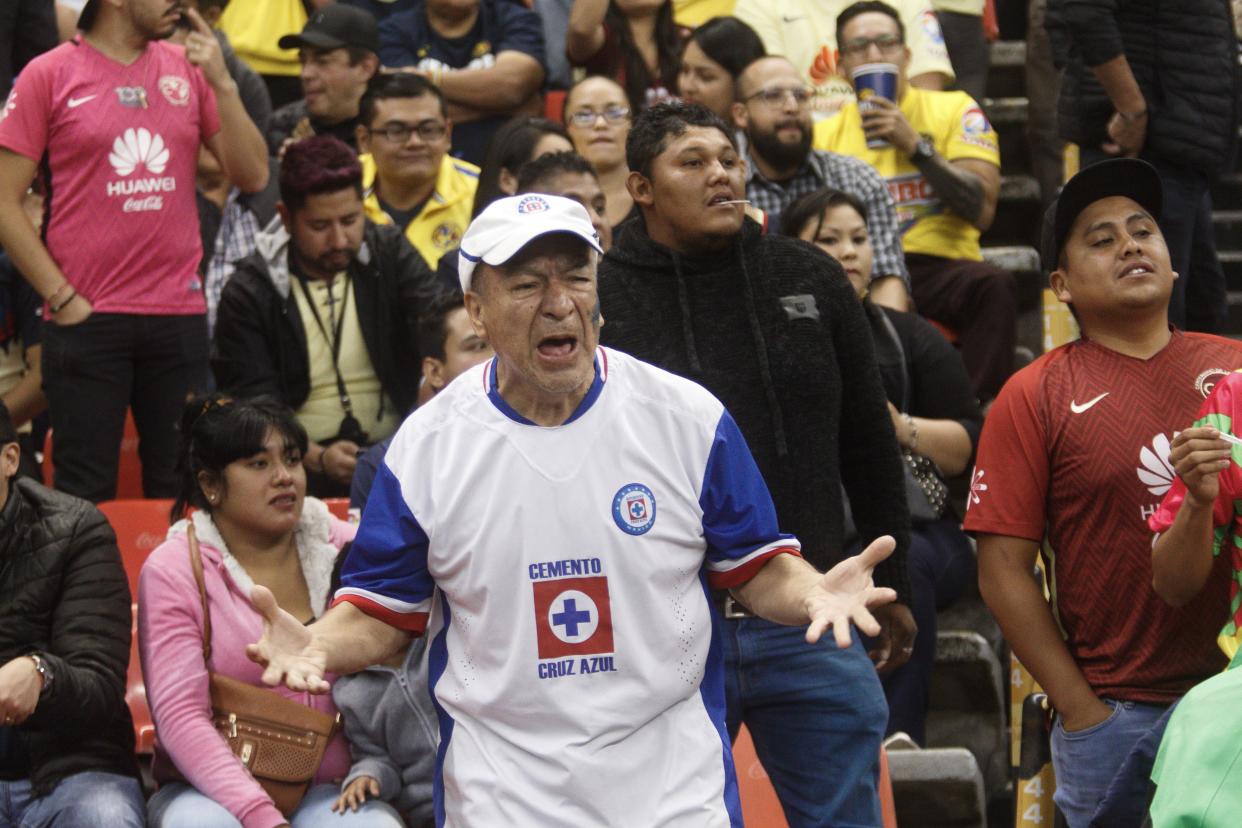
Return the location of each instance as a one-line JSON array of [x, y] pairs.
[[388, 559], [738, 515]]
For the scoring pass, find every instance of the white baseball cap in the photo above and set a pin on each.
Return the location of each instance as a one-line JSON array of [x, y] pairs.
[[509, 224]]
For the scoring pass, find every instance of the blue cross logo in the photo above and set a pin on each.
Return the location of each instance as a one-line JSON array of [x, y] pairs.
[[570, 617]]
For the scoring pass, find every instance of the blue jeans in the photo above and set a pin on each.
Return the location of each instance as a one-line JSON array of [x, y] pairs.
[[1086, 761], [177, 805], [816, 715], [83, 800]]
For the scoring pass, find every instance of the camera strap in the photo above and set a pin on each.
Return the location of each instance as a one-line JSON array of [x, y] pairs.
[[334, 342]]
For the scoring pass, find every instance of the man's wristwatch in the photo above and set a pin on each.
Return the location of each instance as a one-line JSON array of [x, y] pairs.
[[923, 150], [44, 671]]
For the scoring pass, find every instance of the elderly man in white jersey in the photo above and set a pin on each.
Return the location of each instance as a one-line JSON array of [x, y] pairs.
[[552, 521]]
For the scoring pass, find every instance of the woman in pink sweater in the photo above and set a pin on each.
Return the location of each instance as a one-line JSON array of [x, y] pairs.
[[241, 468]]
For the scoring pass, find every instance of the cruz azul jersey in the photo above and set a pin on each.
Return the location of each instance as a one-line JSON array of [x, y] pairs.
[[573, 656], [1075, 454], [119, 150], [1221, 410]]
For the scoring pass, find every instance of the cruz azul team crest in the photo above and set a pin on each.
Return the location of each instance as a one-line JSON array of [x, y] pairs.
[[573, 617]]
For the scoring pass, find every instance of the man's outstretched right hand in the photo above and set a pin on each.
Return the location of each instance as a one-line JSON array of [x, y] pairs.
[[286, 649]]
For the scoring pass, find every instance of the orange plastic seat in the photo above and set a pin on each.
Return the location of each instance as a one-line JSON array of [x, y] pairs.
[[140, 526], [129, 467], [338, 506], [553, 103], [949, 333], [760, 806]]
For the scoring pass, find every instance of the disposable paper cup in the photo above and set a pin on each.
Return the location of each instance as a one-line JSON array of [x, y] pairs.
[[871, 80]]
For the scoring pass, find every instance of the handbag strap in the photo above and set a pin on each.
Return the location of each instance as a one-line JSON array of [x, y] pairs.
[[196, 564], [901, 351]]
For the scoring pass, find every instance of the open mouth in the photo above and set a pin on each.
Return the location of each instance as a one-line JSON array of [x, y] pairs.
[[557, 347], [1137, 269], [722, 200], [284, 501]]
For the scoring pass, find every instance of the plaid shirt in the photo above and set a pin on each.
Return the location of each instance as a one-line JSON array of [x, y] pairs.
[[829, 169], [234, 241]]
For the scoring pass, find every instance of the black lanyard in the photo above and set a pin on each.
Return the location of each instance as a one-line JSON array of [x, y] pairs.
[[334, 344]]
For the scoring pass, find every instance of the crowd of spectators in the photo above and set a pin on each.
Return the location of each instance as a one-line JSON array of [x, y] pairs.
[[240, 222]]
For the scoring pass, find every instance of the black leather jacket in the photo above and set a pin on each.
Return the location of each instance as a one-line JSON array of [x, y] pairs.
[[64, 595]]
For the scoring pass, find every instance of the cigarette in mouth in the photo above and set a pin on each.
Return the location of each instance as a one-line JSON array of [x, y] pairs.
[[734, 201]]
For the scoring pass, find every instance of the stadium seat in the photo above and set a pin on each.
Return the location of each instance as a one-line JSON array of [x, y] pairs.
[[761, 808], [553, 103], [140, 526], [338, 506], [129, 469]]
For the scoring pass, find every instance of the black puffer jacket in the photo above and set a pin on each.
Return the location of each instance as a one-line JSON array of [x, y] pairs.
[[259, 347], [63, 594], [1184, 55], [773, 329]]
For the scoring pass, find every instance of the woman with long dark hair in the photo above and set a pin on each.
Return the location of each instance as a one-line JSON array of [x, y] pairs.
[[937, 421], [714, 55], [241, 470], [517, 141], [634, 42]]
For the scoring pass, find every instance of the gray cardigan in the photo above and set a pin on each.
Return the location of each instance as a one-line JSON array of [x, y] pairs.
[[391, 726]]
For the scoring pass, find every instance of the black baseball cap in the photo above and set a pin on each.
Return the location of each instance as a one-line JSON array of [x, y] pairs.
[[335, 26], [1129, 177]]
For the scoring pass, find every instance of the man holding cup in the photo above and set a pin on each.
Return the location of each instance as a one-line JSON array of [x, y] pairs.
[[941, 159]]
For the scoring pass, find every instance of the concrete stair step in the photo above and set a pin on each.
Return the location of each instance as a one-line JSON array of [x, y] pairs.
[[1007, 111], [1007, 54], [966, 705], [1017, 213], [1231, 264], [937, 788], [1007, 68], [1227, 192], [1227, 226]]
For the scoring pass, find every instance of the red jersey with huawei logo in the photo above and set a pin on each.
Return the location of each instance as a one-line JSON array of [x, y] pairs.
[[1074, 454], [119, 148]]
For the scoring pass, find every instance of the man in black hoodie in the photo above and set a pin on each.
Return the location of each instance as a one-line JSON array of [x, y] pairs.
[[771, 327]]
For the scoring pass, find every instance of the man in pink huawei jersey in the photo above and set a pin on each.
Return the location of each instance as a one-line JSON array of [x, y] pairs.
[[113, 122]]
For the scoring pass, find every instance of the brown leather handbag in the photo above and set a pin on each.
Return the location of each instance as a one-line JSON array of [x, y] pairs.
[[279, 741]]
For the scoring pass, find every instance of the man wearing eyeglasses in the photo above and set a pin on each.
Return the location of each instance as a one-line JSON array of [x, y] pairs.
[[410, 179], [942, 162], [774, 112]]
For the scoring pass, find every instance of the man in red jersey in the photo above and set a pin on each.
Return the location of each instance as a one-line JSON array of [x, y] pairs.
[[113, 122], [1074, 457]]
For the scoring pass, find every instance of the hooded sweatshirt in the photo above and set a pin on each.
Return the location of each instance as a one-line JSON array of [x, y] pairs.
[[770, 325]]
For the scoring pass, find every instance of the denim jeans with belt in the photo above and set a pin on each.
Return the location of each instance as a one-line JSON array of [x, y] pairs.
[[816, 715]]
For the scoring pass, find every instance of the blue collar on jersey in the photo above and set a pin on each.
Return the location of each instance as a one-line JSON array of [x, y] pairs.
[[592, 394]]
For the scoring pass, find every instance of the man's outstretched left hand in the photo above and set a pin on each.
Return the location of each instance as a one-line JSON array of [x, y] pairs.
[[846, 594]]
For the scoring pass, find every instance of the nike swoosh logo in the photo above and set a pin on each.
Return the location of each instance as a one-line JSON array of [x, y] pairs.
[[76, 102], [791, 19], [1078, 409]]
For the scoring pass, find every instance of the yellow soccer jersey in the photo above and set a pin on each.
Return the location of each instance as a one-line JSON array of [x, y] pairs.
[[805, 31], [959, 129], [253, 29], [694, 13], [438, 228]]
